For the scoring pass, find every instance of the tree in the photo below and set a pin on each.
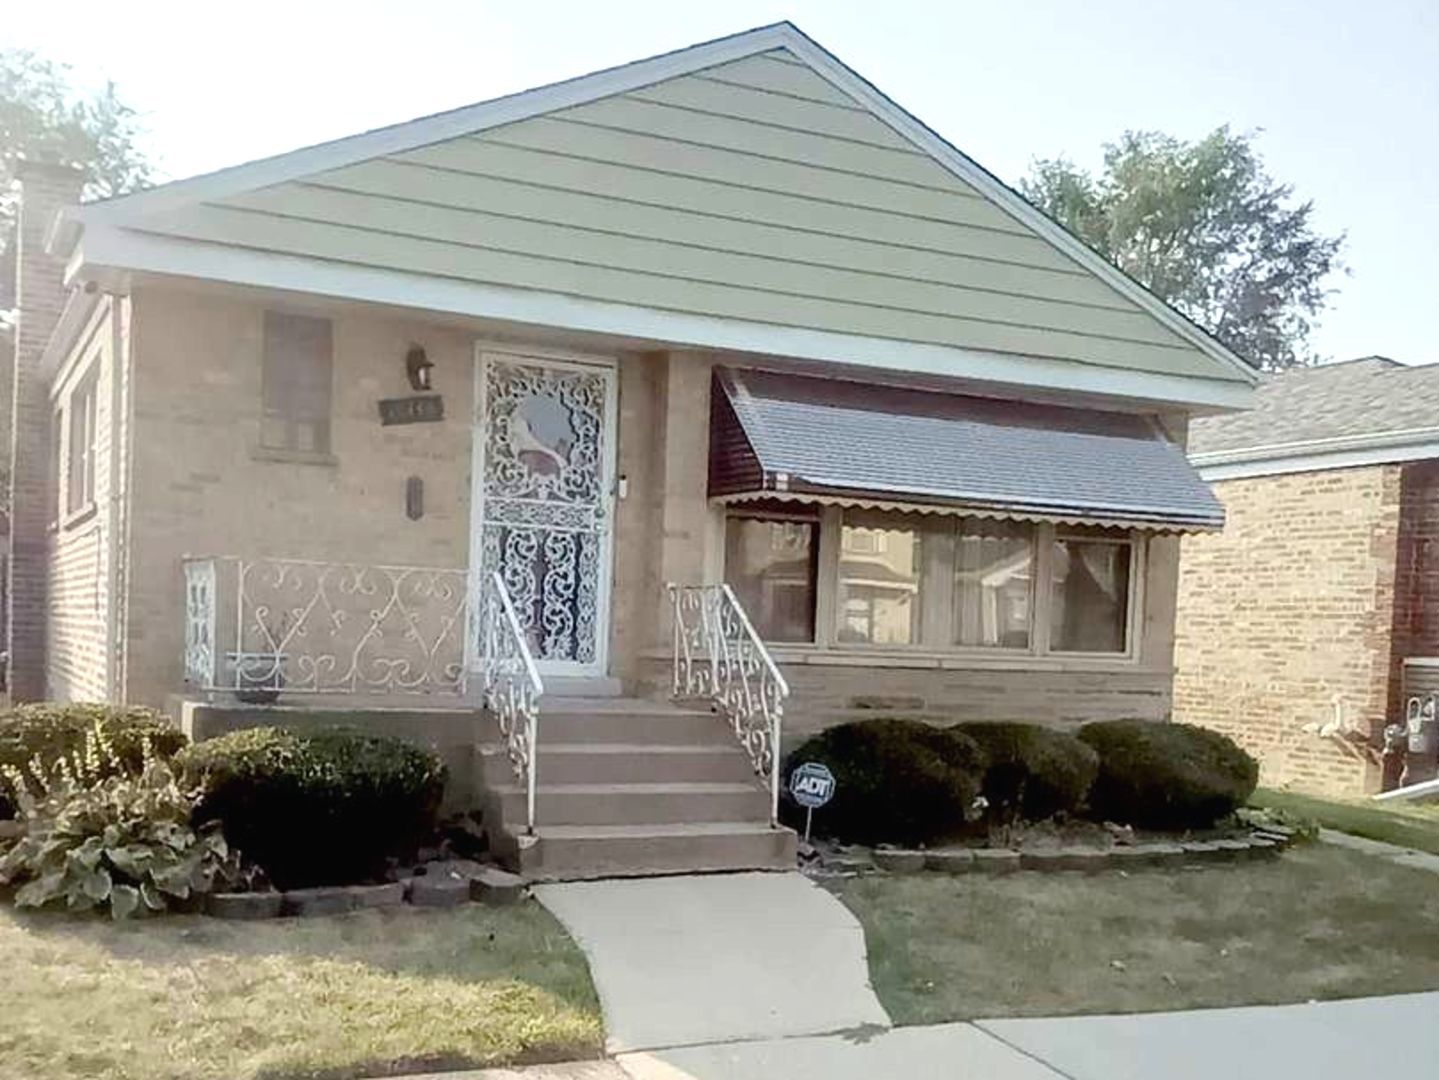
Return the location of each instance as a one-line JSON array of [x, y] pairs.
[[43, 117], [1203, 226]]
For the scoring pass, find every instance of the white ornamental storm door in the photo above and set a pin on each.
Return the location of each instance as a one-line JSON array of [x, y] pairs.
[[543, 506]]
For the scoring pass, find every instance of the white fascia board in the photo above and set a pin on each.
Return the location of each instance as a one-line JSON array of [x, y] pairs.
[[1009, 200], [123, 250], [74, 317], [411, 134], [1318, 461]]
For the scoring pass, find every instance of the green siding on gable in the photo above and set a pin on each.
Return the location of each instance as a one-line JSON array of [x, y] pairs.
[[754, 190]]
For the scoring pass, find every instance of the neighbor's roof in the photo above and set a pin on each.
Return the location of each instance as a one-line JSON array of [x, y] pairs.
[[1320, 417], [750, 193], [860, 444]]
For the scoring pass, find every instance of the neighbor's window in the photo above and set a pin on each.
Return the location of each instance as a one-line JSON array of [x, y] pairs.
[[993, 568], [1089, 597], [881, 569], [80, 462], [770, 564], [295, 383]]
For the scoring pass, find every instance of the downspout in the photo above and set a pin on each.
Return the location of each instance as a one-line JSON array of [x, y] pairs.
[[117, 519]]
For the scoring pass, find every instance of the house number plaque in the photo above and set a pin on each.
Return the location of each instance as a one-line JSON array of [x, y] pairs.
[[422, 409]]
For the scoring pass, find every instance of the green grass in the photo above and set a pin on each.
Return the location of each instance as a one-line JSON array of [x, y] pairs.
[[359, 995], [1411, 825], [1320, 922]]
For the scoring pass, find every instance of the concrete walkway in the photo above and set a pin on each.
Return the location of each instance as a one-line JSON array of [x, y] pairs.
[[718, 958], [1402, 856]]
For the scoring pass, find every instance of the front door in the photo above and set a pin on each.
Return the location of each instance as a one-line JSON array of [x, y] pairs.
[[544, 461]]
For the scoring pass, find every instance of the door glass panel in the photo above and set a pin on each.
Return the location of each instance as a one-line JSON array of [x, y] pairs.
[[543, 500]]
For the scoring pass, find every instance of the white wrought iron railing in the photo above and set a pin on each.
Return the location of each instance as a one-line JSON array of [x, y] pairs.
[[266, 626], [718, 655], [512, 687]]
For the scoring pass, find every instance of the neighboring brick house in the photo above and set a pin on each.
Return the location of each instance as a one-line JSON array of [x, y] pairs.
[[1299, 616]]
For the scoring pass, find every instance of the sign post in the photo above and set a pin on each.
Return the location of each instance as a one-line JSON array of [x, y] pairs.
[[811, 785]]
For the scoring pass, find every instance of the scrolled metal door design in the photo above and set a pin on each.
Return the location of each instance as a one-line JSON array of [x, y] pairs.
[[544, 498]]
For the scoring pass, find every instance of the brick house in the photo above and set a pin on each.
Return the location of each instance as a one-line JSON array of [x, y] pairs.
[[713, 376], [1311, 611]]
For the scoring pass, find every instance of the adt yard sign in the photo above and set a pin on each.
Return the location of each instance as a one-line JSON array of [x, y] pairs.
[[811, 785]]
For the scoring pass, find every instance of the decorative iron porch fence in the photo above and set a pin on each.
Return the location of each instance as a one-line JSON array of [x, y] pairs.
[[264, 626]]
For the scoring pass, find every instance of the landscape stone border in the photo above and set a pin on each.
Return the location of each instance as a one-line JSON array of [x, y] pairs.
[[1261, 844], [442, 886]]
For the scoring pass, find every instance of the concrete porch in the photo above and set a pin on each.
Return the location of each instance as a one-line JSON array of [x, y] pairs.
[[624, 786]]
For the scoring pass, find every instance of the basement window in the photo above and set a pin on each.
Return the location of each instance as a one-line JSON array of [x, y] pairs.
[[295, 384]]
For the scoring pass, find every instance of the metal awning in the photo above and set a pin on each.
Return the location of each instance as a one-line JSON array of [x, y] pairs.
[[795, 437]]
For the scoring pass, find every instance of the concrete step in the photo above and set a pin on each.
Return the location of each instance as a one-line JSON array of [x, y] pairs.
[[628, 720], [572, 852], [635, 804], [625, 763]]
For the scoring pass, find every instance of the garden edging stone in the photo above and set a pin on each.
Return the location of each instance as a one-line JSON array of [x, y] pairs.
[[244, 905], [962, 860]]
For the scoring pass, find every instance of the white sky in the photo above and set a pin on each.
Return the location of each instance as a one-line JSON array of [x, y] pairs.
[[1346, 93]]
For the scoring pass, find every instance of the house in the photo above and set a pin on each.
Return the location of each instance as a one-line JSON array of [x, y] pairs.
[[1307, 622], [494, 403]]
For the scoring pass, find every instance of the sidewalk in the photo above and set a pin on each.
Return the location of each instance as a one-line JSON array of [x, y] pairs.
[[1332, 1040]]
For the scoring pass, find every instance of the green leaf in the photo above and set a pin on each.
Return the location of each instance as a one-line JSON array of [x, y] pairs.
[[97, 885], [39, 892], [151, 895], [124, 899]]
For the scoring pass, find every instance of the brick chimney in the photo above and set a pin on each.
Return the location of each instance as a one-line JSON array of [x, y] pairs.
[[39, 296]]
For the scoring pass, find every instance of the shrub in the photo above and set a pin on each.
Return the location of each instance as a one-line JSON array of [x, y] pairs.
[[51, 731], [316, 808], [897, 781], [1034, 772], [1160, 775], [99, 833]]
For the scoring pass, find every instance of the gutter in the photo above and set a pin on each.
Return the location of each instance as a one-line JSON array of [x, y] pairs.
[[1306, 447]]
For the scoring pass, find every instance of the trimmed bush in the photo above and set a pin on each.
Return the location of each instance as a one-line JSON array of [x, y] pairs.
[[898, 781], [1034, 772], [1160, 775], [52, 730], [316, 808]]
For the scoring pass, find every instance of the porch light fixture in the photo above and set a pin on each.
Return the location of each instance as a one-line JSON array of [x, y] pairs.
[[417, 368]]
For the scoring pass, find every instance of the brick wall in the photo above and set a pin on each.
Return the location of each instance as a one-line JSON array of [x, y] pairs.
[[40, 295], [78, 580], [199, 487], [1289, 610]]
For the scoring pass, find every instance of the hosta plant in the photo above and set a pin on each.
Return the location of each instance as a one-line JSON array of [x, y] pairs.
[[107, 837]]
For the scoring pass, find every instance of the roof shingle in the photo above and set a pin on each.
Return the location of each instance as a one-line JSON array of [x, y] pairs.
[[1372, 396]]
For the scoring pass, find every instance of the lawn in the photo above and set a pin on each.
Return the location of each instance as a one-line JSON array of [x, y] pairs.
[[1411, 825], [1320, 922], [359, 995]]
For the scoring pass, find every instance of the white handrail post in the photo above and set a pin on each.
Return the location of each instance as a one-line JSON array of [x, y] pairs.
[[512, 689], [744, 683]]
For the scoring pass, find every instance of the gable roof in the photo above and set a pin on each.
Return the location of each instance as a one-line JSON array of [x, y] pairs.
[[1362, 411], [1032, 288]]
